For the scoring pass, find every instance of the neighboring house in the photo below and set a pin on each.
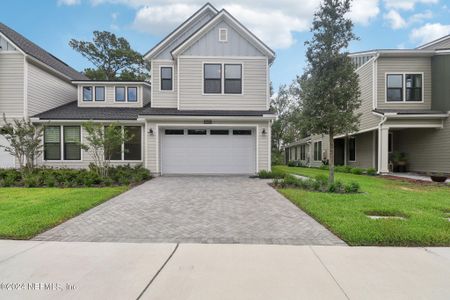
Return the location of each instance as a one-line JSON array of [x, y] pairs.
[[31, 81], [405, 108], [205, 112]]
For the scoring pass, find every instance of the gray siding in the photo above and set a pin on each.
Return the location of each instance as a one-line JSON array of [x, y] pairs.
[[441, 82], [399, 64], [364, 150], [368, 119], [110, 96], [209, 44], [5, 45], [427, 149], [325, 149], [46, 91], [445, 44], [199, 22], [12, 84], [163, 98], [254, 85]]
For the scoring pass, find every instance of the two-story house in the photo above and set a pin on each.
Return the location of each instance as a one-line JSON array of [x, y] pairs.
[[31, 81], [405, 95], [206, 110]]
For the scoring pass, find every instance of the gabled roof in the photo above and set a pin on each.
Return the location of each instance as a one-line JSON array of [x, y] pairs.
[[36, 52], [434, 42], [171, 36], [225, 15]]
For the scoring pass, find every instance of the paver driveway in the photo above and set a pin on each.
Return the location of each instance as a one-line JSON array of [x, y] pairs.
[[199, 210]]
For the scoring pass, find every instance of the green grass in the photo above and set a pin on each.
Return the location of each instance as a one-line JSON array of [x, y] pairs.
[[26, 212], [426, 208]]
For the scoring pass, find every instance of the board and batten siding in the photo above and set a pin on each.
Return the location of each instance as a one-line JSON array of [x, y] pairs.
[[254, 85], [110, 96], [46, 91], [209, 44], [368, 119], [427, 149], [406, 65], [168, 99], [12, 84]]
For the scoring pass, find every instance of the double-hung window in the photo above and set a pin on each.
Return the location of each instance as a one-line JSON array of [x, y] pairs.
[[99, 93], [212, 74], [318, 151], [130, 150], [217, 82], [166, 78], [69, 136], [132, 94], [233, 79], [405, 87]]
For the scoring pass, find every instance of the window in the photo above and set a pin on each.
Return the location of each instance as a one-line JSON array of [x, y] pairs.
[[197, 131], [120, 94], [242, 132], [132, 94], [223, 34], [391, 142], [166, 78], [132, 148], [404, 87], [72, 139], [394, 87], [302, 152], [212, 74], [295, 153], [413, 84], [99, 93], [174, 131], [87, 93], [219, 132], [318, 151], [233, 79], [52, 143], [352, 149]]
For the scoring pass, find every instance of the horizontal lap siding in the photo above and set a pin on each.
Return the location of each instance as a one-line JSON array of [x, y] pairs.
[[367, 119], [12, 84], [47, 91], [400, 65], [163, 98], [427, 149], [254, 86], [110, 96], [364, 151]]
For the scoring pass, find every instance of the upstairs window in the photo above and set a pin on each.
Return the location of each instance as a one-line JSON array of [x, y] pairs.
[[407, 87], [212, 74], [413, 84], [166, 78], [87, 93], [132, 94], [120, 94], [394, 88], [233, 79], [223, 35], [99, 93]]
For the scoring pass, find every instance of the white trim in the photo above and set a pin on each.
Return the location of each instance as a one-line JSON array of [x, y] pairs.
[[152, 70], [160, 78], [267, 84], [126, 87], [222, 57], [178, 83], [415, 126], [15, 46], [434, 42], [61, 141], [356, 132], [112, 82], [173, 34], [76, 122], [269, 145], [404, 87], [418, 116], [233, 118], [222, 78], [374, 149], [220, 35], [257, 148], [259, 45]]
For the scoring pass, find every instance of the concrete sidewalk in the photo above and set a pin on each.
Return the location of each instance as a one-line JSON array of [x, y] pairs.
[[78, 270]]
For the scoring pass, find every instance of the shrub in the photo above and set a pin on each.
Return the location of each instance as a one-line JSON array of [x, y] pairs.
[[291, 163], [371, 172], [343, 169], [357, 171], [10, 177], [318, 184], [270, 174], [352, 187]]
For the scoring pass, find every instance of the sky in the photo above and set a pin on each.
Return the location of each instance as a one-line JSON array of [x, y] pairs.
[[283, 24]]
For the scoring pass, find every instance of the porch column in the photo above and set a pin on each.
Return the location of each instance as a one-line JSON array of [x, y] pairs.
[[383, 149]]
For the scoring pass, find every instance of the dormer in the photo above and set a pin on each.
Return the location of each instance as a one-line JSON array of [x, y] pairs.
[[113, 93]]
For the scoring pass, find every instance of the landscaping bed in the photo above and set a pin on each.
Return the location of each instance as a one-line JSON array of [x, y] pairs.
[[409, 214]]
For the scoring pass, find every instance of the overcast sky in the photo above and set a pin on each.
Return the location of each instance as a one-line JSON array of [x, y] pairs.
[[282, 24]]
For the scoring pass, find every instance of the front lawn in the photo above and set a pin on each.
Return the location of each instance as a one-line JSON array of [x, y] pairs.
[[426, 209], [26, 212]]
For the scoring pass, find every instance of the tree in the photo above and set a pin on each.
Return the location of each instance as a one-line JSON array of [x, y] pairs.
[[112, 56], [103, 142], [25, 142], [329, 87]]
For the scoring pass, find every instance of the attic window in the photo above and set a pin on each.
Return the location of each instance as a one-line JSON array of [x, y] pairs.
[[223, 35]]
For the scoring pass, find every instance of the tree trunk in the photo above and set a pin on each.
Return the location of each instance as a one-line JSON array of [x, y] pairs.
[[331, 158]]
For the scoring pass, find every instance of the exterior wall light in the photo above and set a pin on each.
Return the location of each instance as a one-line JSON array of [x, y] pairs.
[[150, 131], [263, 131]]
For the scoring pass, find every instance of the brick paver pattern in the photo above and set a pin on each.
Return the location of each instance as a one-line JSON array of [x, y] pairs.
[[198, 209]]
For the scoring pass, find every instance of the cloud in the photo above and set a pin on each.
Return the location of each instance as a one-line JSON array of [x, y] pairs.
[[395, 19], [275, 22], [406, 4], [68, 2], [429, 32]]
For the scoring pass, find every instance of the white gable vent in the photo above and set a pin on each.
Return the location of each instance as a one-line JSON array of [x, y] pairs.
[[223, 34]]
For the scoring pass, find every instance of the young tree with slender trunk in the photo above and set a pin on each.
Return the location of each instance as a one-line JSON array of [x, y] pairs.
[[329, 87]]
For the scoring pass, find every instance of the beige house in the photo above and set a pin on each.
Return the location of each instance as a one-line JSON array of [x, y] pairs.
[[204, 111], [405, 107]]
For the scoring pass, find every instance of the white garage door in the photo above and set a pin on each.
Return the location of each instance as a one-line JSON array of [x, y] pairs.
[[208, 151], [6, 160]]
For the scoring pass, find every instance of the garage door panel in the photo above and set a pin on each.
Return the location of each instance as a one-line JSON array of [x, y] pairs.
[[208, 154]]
